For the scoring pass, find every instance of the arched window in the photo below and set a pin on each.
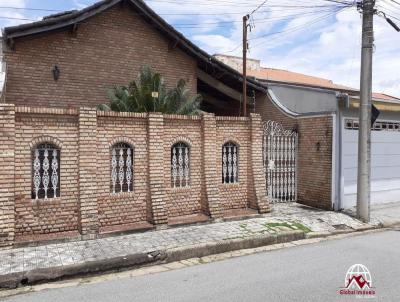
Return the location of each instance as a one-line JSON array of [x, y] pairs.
[[46, 172], [230, 160], [121, 168], [180, 165]]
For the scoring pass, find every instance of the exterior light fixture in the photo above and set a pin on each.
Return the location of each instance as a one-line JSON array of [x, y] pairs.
[[56, 72]]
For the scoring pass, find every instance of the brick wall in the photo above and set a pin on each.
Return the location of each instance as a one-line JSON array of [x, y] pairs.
[[7, 174], [233, 196], [36, 218], [107, 50], [314, 153], [184, 200], [125, 208], [86, 207]]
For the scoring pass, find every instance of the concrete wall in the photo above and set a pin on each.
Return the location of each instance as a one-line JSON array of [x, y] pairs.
[[305, 100]]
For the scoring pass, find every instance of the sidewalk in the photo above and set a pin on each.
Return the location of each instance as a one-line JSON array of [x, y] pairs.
[[287, 222], [386, 215]]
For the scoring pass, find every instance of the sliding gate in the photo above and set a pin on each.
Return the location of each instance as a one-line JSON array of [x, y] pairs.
[[280, 162]]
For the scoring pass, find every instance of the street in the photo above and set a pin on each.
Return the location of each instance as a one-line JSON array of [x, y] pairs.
[[313, 272]]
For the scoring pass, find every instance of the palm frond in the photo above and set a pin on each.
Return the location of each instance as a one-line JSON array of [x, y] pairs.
[[137, 97]]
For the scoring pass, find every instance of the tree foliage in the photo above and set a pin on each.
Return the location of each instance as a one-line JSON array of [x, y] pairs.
[[137, 97]]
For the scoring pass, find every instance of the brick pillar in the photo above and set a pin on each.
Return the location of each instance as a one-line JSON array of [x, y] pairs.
[[88, 210], [260, 200], [7, 174], [156, 173], [211, 178]]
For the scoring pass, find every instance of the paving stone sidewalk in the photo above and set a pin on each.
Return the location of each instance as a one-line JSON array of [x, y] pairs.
[[284, 217], [386, 214]]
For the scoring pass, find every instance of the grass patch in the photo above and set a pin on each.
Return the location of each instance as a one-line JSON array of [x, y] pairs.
[[301, 227], [292, 226]]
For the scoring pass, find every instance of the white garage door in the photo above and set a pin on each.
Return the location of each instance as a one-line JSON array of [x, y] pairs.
[[385, 155]]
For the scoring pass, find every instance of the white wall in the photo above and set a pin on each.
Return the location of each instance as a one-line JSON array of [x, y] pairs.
[[385, 166]]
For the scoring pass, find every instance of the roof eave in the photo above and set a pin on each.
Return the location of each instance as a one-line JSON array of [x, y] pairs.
[[146, 12], [38, 27]]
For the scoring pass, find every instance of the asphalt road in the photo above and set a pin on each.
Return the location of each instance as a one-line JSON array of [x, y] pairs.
[[312, 272]]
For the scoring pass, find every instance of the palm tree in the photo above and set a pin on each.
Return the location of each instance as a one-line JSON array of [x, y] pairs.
[[138, 96]]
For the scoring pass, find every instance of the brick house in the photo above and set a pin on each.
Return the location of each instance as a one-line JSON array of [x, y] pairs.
[[174, 168], [70, 42], [70, 171], [105, 45]]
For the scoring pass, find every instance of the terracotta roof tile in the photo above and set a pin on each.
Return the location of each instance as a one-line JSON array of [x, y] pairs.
[[286, 76]]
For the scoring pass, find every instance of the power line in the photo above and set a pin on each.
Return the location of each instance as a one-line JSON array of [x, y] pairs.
[[29, 8], [302, 25], [287, 31], [271, 9], [205, 24], [15, 18], [258, 7], [393, 16], [258, 21]]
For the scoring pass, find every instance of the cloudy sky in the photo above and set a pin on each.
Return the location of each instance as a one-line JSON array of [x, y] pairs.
[[316, 37]]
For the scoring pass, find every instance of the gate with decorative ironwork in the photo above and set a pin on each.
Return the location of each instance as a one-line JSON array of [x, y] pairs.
[[280, 162]]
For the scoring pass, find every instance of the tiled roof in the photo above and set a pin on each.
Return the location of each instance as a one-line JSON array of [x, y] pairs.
[[67, 19], [281, 75], [285, 76]]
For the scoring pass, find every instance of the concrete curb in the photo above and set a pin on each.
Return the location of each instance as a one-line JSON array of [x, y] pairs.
[[14, 280], [34, 276], [202, 250], [387, 223]]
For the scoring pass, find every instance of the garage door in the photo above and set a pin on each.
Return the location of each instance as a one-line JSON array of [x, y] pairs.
[[385, 166]]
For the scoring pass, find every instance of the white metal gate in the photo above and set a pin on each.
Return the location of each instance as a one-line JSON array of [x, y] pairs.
[[280, 162]]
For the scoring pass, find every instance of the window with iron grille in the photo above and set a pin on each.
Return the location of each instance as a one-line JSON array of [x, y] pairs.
[[180, 165], [230, 159], [45, 172], [121, 168]]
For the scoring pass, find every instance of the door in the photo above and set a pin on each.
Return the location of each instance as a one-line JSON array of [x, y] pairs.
[[385, 162], [280, 162]]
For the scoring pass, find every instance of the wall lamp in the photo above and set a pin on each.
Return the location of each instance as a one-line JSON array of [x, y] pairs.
[[56, 72]]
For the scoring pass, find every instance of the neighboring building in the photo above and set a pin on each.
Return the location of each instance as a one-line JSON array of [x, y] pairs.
[[298, 96]]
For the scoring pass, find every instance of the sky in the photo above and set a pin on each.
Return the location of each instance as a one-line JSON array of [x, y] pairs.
[[315, 37]]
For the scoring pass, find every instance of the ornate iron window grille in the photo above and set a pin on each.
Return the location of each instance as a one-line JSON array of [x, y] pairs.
[[45, 172], [180, 165], [230, 163], [121, 168]]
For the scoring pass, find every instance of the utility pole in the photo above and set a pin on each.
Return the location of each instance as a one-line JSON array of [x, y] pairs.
[[364, 135], [245, 19]]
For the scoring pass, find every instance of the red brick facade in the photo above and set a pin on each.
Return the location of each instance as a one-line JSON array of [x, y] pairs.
[[314, 152], [86, 207], [106, 50]]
